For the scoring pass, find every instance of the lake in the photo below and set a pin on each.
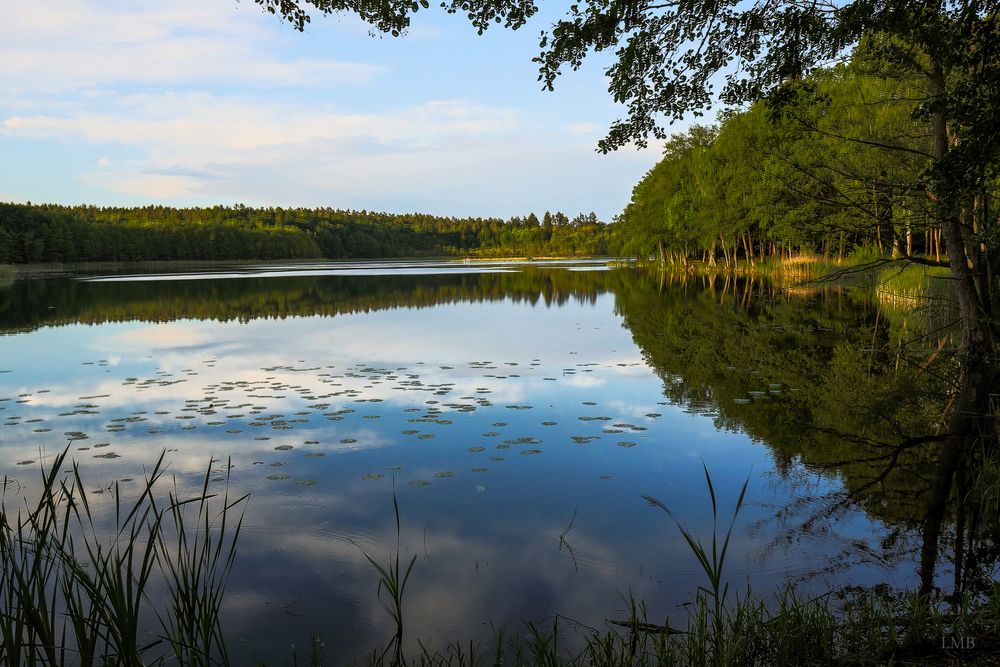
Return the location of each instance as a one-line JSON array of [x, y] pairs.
[[517, 410]]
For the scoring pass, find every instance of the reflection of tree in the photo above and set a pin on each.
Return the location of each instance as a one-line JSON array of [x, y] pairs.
[[841, 387], [28, 304], [831, 384]]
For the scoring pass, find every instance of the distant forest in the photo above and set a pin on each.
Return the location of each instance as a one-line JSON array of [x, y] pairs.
[[47, 233]]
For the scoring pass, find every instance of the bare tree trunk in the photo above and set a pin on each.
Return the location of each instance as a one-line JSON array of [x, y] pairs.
[[972, 417]]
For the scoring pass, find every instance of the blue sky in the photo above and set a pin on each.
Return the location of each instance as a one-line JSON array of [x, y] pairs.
[[198, 102]]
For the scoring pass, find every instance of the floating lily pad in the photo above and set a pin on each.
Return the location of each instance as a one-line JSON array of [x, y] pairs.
[[277, 478], [373, 475], [419, 482], [444, 473], [525, 440], [529, 452]]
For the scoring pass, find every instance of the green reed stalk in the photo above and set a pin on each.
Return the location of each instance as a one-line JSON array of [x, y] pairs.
[[712, 560], [393, 581]]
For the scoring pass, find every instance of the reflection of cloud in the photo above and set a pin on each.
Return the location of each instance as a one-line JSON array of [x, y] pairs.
[[638, 411], [159, 336], [584, 381]]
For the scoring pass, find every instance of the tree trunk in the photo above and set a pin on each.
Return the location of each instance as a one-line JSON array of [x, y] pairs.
[[972, 416], [975, 329]]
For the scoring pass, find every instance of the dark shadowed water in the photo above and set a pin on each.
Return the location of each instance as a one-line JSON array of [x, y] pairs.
[[518, 409]]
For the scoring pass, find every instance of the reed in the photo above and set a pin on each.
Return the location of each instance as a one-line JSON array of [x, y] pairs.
[[75, 592], [392, 580]]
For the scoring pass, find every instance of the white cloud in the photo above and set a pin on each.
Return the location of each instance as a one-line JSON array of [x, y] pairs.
[[583, 129], [205, 145], [86, 44], [198, 102], [200, 127]]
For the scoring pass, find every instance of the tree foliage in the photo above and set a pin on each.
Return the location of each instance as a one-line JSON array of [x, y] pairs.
[[836, 169], [32, 234], [675, 57]]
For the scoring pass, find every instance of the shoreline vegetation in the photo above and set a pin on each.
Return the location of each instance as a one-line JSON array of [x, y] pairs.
[[100, 614]]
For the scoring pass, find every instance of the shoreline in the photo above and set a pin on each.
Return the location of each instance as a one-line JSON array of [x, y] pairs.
[[59, 269]]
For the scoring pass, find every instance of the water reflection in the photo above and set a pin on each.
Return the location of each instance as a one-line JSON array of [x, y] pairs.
[[518, 411]]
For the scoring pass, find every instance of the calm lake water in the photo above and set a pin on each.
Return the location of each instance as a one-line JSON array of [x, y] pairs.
[[519, 410]]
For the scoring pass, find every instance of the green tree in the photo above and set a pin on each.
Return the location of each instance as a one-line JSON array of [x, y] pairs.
[[684, 56]]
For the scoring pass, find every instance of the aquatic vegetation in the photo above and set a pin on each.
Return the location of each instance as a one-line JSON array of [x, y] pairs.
[[393, 580], [72, 590]]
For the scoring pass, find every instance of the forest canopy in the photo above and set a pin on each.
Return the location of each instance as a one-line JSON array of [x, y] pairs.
[[47, 233]]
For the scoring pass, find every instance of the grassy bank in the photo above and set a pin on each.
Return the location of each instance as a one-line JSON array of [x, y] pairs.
[[898, 283]]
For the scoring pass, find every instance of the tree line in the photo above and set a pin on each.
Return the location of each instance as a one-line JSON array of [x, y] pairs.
[[49, 233], [833, 164]]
